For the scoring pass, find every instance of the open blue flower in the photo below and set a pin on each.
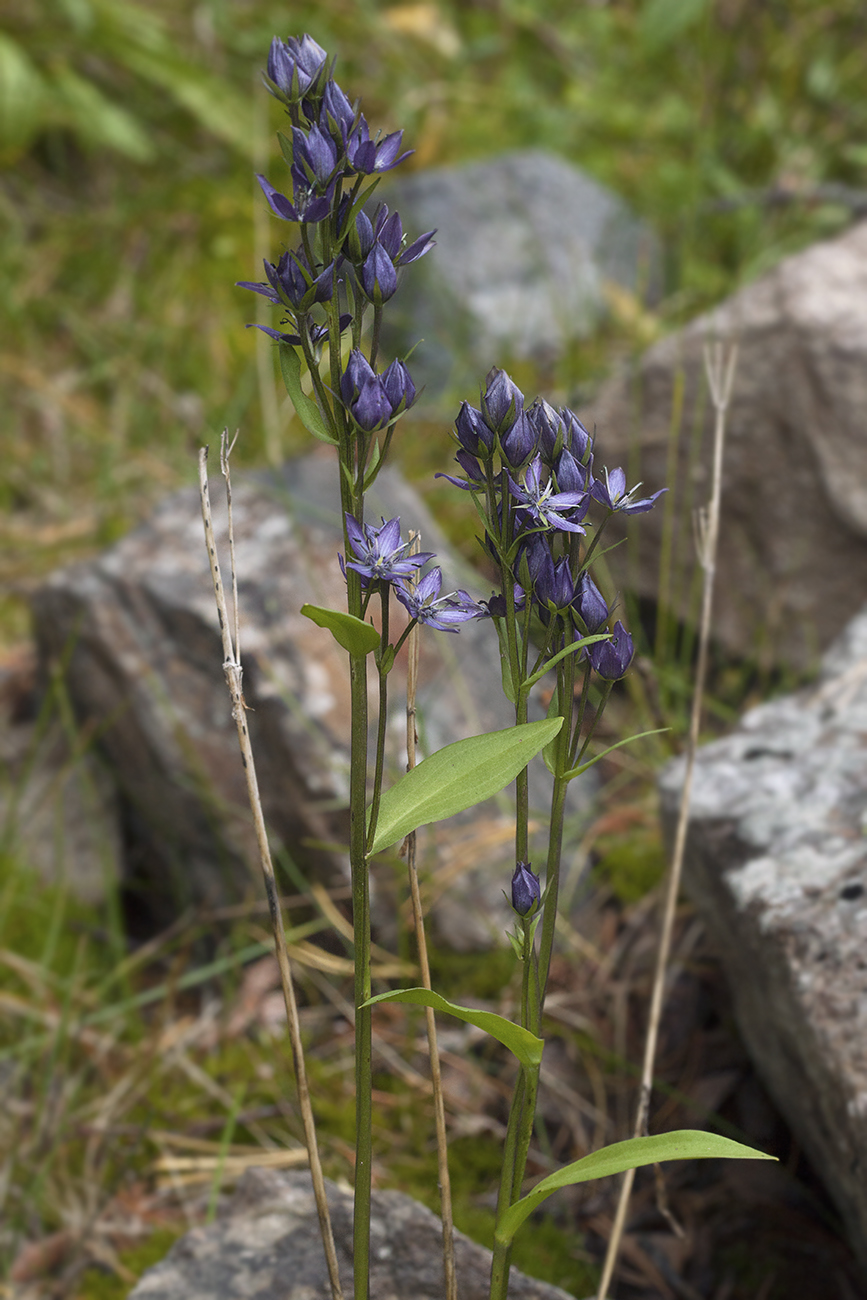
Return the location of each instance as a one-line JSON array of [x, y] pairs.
[[542, 505], [424, 603], [612, 494], [380, 554]]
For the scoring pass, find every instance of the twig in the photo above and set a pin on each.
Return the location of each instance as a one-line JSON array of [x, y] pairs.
[[720, 369], [232, 669], [451, 1285]]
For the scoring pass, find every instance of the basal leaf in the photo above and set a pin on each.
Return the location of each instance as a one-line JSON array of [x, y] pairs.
[[526, 1046], [356, 636], [458, 776], [688, 1144]]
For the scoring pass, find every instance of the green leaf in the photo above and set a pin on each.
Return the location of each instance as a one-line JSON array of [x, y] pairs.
[[561, 654], [356, 636], [458, 776], [308, 412], [688, 1144], [582, 767], [526, 1046]]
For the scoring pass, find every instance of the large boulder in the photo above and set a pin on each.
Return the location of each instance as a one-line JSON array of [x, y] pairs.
[[794, 508], [266, 1246], [776, 859], [135, 634], [527, 247]]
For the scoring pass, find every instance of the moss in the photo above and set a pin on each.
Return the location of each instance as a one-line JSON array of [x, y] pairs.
[[98, 1285], [632, 864]]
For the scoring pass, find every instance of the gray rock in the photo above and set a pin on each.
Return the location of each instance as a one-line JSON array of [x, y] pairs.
[[266, 1244], [794, 509], [58, 807], [776, 860], [136, 630], [526, 244]]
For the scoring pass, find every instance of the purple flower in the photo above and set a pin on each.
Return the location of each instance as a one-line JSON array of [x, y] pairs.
[[424, 603], [294, 68], [588, 607], [380, 554], [612, 658], [378, 276], [314, 158], [475, 479], [336, 114], [571, 476], [373, 400], [366, 156], [544, 506], [526, 889], [471, 431], [576, 438], [550, 430], [317, 334], [291, 283], [305, 205], [612, 493], [502, 401], [519, 443]]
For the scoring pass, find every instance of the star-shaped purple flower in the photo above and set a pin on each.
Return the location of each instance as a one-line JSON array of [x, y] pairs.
[[542, 505], [424, 603], [380, 554], [612, 494]]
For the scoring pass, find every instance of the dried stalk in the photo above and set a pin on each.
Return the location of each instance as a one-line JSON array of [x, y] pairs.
[[232, 669], [720, 369], [451, 1284]]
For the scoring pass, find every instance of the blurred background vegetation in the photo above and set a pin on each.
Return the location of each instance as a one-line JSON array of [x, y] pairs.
[[129, 134], [128, 138]]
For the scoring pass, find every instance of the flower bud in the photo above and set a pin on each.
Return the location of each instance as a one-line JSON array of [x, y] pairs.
[[526, 889], [612, 658]]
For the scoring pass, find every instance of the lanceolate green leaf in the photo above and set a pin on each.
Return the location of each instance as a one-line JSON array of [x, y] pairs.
[[526, 1046], [688, 1144], [308, 412], [356, 636], [457, 777]]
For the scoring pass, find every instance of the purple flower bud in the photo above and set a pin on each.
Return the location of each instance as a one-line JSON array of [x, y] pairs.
[[549, 430], [612, 658], [576, 438], [378, 276], [526, 889], [519, 443], [398, 386], [591, 610], [502, 402], [358, 371], [471, 430], [294, 67]]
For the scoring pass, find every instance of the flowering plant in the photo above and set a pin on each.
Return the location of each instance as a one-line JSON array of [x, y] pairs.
[[543, 505]]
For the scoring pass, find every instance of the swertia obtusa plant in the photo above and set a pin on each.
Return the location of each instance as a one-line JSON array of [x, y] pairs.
[[543, 506]]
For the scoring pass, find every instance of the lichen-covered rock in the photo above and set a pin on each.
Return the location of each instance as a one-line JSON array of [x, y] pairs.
[[266, 1246], [776, 859], [527, 247], [794, 505]]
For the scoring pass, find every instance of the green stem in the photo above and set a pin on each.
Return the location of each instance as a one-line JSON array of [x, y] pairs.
[[361, 936], [379, 762]]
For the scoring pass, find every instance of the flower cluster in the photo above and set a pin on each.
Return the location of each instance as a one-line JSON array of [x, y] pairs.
[[531, 469], [333, 165]]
